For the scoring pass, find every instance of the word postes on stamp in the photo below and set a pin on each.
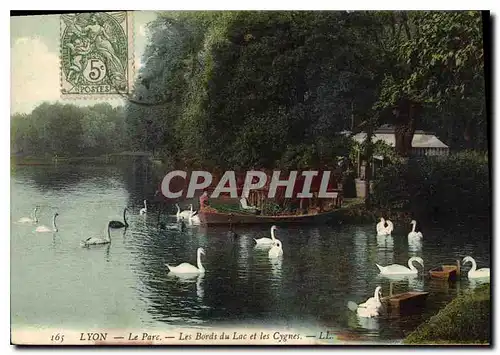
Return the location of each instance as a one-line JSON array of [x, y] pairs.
[[96, 54]]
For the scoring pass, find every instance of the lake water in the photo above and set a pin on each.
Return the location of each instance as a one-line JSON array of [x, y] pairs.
[[57, 283]]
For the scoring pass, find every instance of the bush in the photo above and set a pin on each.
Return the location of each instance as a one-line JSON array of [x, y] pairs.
[[465, 320], [453, 187]]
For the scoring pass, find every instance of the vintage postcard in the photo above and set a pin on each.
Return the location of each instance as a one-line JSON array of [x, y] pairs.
[[250, 178]]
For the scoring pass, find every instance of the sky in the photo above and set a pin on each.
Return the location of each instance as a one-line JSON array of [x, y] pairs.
[[35, 59]]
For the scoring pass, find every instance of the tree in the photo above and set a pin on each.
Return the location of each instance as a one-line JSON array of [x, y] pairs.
[[437, 61], [69, 130], [261, 89]]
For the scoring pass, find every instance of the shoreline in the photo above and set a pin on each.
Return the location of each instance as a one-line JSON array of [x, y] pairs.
[[353, 210], [465, 320]]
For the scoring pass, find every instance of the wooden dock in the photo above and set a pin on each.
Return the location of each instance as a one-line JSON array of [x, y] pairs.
[[403, 303]]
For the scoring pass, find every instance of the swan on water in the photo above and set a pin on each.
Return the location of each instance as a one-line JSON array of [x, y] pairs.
[[396, 269], [186, 214], [414, 234], [33, 219], [97, 240], [194, 219], [382, 229], [44, 229], [267, 241], [372, 306], [144, 210], [118, 224], [186, 268], [276, 251], [473, 273]]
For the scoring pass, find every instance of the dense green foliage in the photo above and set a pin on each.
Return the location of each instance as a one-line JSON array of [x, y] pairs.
[[243, 89], [467, 319], [435, 62], [453, 187], [68, 130], [273, 78], [272, 89]]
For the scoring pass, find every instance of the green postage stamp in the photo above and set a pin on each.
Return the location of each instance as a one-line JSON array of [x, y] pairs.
[[96, 54]]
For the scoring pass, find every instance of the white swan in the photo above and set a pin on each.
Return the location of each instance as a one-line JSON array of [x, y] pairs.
[[371, 308], [194, 220], [186, 214], [381, 226], [145, 209], [276, 251], [267, 241], [414, 234], [473, 273], [45, 229], [186, 268], [396, 269], [382, 229], [96, 240], [390, 227], [33, 219], [178, 214]]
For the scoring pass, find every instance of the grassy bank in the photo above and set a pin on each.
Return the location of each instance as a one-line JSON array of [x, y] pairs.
[[465, 320]]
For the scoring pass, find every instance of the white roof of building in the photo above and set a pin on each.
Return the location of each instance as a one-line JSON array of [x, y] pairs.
[[420, 139]]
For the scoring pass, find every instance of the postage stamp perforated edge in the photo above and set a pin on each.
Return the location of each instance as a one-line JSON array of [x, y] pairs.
[[131, 70]]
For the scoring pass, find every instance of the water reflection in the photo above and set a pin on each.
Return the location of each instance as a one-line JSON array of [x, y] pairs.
[[276, 265], [200, 292], [190, 279], [55, 241], [385, 242], [368, 323], [474, 283], [414, 246], [243, 253], [385, 249], [99, 248]]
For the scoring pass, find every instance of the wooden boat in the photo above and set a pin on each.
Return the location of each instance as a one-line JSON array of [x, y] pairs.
[[406, 302], [446, 272], [211, 217], [227, 211]]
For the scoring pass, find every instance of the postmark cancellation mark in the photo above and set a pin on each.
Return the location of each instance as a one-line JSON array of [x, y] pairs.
[[96, 54]]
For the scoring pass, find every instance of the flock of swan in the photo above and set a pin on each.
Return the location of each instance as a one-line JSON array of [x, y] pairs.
[[373, 306], [191, 216], [274, 245]]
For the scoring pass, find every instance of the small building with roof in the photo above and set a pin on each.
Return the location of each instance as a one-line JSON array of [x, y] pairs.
[[423, 144]]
